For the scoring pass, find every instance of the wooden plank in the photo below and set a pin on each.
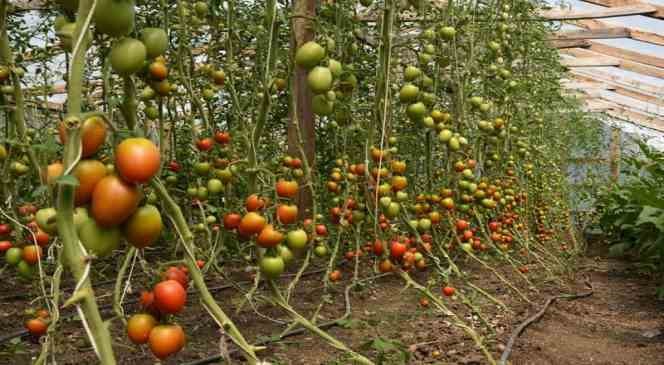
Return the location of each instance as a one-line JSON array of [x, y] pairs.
[[614, 154], [636, 34], [649, 96], [590, 62], [581, 85], [577, 43], [637, 118], [627, 54], [600, 33], [636, 9], [624, 63], [659, 13]]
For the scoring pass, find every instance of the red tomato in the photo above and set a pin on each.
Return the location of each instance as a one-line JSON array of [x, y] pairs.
[[254, 203], [205, 144], [321, 230], [287, 213], [174, 166], [5, 229], [37, 327], [287, 189], [462, 225], [174, 273], [448, 291], [232, 221], [169, 296], [5, 245], [378, 247], [397, 250], [222, 137]]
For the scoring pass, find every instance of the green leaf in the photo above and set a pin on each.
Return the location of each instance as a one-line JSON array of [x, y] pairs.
[[618, 249], [651, 215]]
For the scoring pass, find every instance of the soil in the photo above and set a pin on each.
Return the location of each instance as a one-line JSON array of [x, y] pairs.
[[621, 323]]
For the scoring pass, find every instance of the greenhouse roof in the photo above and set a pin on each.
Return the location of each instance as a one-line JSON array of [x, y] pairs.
[[614, 50]]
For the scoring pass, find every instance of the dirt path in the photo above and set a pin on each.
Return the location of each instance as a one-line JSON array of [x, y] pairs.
[[622, 323], [619, 324]]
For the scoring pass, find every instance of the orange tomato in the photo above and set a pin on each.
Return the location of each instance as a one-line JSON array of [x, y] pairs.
[[137, 160], [269, 237], [139, 327], [144, 226], [113, 201], [254, 203], [166, 340], [287, 189], [93, 135], [251, 223], [31, 254], [88, 173], [36, 327], [287, 214], [54, 171]]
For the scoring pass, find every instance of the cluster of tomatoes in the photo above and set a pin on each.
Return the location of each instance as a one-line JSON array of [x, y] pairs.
[[108, 196], [320, 79], [270, 236], [25, 257], [37, 325], [153, 326]]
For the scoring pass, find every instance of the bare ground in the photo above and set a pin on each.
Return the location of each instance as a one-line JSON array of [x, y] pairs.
[[619, 324]]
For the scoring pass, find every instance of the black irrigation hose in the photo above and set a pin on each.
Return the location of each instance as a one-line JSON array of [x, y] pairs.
[[537, 316], [24, 332]]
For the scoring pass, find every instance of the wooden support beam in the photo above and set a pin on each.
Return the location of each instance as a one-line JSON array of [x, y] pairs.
[[636, 9], [634, 117], [659, 13], [585, 85], [636, 34], [576, 43], [632, 91], [627, 54], [624, 63], [600, 33], [590, 62]]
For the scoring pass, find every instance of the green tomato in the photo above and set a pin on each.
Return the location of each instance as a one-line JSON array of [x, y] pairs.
[[25, 270], [99, 240], [272, 267], [13, 255], [215, 186], [297, 239], [46, 220]]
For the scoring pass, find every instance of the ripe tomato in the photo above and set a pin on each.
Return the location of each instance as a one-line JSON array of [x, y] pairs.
[[40, 237], [462, 225], [5, 229], [53, 171], [269, 237], [287, 214], [385, 266], [169, 296], [139, 327], [251, 223], [335, 276], [205, 144], [232, 220], [158, 70], [93, 135], [321, 230], [166, 340], [397, 250], [494, 226], [31, 254], [200, 264], [144, 226], [146, 301], [137, 160], [448, 291], [287, 189], [254, 203], [5, 245], [174, 166], [113, 201], [378, 247], [88, 173], [174, 273], [222, 137], [37, 327]]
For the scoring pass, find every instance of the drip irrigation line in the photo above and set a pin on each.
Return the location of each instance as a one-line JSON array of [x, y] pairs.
[[537, 316]]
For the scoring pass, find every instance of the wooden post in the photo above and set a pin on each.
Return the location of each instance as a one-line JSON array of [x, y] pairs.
[[614, 157], [304, 11]]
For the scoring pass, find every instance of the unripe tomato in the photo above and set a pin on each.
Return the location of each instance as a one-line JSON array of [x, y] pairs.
[[297, 239], [155, 41], [101, 241], [166, 340], [113, 201], [272, 267], [115, 18], [144, 226], [31, 254], [128, 55], [169, 296], [309, 55], [137, 160], [13, 255], [139, 327]]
